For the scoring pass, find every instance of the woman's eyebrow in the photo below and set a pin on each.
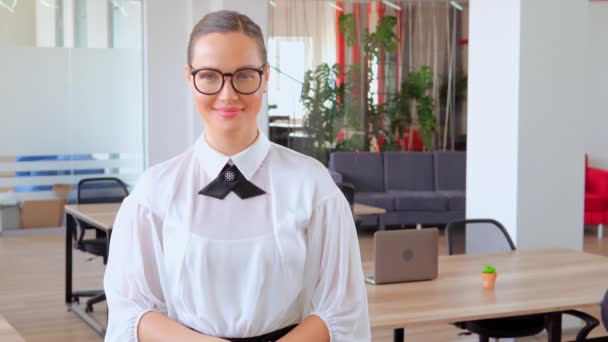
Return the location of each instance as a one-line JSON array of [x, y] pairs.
[[250, 66]]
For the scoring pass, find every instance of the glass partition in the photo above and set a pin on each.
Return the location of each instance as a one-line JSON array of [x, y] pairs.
[[71, 94]]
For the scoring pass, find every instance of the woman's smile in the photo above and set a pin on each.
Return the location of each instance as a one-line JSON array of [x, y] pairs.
[[227, 112]]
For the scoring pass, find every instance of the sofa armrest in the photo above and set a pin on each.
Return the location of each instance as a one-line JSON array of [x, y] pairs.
[[336, 176]]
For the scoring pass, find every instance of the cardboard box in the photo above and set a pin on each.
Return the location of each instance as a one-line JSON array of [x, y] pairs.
[[42, 213], [62, 191]]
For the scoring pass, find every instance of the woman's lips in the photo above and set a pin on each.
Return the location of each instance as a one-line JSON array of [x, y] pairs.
[[227, 112]]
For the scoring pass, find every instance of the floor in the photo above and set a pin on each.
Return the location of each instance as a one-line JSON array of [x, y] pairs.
[[32, 290]]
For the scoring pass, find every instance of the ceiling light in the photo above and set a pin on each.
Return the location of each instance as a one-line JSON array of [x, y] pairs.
[[11, 7], [392, 5], [456, 5], [333, 5], [49, 3]]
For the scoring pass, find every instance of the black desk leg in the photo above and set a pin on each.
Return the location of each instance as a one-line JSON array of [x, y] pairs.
[[398, 335], [70, 224], [553, 324]]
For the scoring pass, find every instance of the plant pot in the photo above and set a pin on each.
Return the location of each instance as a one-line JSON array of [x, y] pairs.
[[488, 280]]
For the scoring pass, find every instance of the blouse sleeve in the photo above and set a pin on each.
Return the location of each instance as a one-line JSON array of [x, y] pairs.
[[339, 297], [132, 281]]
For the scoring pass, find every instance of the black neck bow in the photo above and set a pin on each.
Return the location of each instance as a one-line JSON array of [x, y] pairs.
[[231, 179]]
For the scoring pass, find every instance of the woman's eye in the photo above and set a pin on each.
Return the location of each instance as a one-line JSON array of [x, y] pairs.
[[209, 76], [245, 75]]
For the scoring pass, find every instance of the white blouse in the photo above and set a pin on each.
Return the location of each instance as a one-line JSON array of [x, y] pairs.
[[233, 267]]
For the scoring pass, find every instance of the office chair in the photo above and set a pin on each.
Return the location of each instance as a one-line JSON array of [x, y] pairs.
[[491, 236], [604, 307], [96, 190]]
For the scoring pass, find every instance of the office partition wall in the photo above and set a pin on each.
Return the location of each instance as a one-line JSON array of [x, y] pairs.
[[71, 94]]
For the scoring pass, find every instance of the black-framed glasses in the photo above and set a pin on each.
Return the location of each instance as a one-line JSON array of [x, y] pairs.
[[244, 81]]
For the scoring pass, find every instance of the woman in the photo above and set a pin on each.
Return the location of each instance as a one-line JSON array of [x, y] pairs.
[[237, 238]]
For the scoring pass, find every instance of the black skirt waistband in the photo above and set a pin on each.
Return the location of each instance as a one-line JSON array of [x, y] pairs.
[[270, 337]]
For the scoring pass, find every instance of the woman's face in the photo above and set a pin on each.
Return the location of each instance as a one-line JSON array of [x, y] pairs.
[[227, 112]]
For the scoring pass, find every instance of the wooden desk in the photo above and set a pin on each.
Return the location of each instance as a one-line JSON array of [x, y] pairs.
[[363, 209], [529, 282], [8, 333], [101, 216]]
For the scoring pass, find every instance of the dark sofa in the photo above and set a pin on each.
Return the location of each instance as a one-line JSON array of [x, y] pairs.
[[414, 187]]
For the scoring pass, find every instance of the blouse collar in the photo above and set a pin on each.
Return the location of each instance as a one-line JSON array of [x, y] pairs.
[[247, 161]]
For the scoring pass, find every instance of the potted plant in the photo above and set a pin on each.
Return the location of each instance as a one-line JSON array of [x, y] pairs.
[[323, 101], [488, 275]]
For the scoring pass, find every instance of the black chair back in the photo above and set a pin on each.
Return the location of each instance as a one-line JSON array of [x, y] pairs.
[[97, 190], [604, 307], [475, 236], [101, 190], [349, 192]]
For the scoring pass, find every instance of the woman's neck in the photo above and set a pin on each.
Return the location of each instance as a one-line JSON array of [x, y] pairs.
[[231, 144]]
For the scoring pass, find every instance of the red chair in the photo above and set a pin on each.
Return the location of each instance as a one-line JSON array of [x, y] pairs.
[[596, 197]]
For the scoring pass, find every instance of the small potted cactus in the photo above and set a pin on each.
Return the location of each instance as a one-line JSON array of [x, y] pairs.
[[488, 275]]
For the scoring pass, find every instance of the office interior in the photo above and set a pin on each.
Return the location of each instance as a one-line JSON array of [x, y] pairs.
[[519, 135]]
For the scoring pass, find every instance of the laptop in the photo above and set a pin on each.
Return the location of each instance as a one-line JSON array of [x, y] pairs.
[[404, 255]]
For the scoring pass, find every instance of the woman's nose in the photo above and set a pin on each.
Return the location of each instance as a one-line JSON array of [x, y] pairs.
[[227, 92]]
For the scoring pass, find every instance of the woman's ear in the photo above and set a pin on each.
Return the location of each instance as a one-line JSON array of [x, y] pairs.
[[187, 71], [267, 72], [266, 77]]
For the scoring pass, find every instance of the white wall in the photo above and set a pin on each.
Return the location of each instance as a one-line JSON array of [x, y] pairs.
[[551, 134], [172, 122], [596, 120], [493, 119], [525, 147], [167, 97]]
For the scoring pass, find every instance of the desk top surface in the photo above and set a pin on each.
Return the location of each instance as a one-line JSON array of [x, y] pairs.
[[101, 215], [363, 209], [8, 333], [529, 281]]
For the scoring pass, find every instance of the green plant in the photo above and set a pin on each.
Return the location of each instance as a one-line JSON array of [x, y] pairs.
[[414, 89], [347, 25], [395, 114], [459, 91], [323, 101], [489, 269], [354, 143], [379, 43]]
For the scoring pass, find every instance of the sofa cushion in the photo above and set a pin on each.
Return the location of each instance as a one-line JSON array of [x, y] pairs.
[[364, 170], [408, 171], [450, 170], [419, 200], [376, 199], [456, 199], [595, 203]]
